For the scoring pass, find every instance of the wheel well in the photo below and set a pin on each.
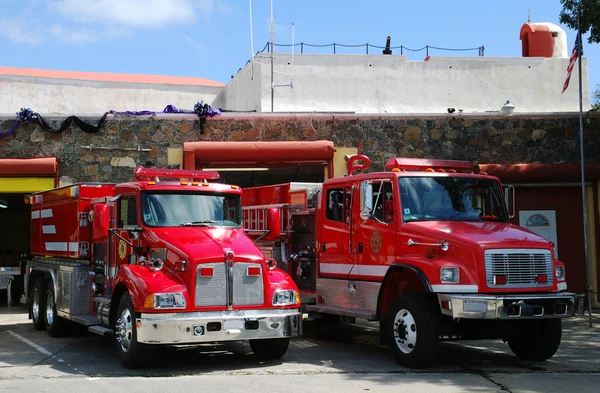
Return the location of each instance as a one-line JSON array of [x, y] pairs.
[[45, 276], [116, 298], [400, 279]]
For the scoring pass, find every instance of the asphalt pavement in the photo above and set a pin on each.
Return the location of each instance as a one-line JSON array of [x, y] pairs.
[[327, 358]]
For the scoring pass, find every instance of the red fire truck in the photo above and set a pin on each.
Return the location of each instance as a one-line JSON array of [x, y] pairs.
[[425, 248], [162, 260]]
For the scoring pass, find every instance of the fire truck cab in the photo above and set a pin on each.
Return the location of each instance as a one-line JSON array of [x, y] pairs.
[[160, 260], [425, 248]]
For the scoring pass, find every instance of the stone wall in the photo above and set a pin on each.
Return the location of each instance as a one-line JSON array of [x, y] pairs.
[[549, 138]]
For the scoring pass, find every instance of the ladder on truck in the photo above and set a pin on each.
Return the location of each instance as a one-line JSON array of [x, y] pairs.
[[255, 219]]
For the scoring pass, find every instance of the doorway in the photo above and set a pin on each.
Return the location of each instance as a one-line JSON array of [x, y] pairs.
[[542, 222]]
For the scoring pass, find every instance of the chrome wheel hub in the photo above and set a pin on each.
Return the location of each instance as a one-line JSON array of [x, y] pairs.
[[124, 330], [49, 308], [405, 331], [35, 305]]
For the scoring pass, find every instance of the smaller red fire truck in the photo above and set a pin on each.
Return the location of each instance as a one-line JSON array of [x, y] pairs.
[[425, 248], [161, 260]]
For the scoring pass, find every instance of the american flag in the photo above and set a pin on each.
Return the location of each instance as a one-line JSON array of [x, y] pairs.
[[574, 55]]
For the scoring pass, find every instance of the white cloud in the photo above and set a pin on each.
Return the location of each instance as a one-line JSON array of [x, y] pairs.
[[21, 31], [84, 35], [199, 46], [132, 13]]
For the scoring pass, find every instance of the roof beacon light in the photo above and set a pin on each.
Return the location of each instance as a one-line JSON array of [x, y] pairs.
[[156, 174], [430, 165]]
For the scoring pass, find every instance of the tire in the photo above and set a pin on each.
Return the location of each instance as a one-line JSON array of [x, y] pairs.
[[270, 349], [55, 325], [38, 304], [539, 341], [132, 353], [412, 330]]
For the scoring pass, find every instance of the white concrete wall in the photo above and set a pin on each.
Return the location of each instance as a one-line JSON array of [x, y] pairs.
[[69, 96], [243, 92], [392, 84]]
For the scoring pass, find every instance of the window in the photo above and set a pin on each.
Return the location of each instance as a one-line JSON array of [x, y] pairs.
[[456, 198], [166, 209], [537, 220], [383, 203], [338, 205], [127, 212]]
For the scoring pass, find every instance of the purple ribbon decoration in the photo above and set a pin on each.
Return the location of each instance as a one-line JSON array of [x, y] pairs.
[[26, 115]]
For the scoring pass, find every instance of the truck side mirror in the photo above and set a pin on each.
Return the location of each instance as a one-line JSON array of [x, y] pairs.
[[509, 197], [100, 222], [366, 199], [273, 223]]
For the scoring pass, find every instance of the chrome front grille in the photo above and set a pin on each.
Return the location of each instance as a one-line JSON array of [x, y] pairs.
[[247, 290], [215, 290], [212, 291], [520, 266]]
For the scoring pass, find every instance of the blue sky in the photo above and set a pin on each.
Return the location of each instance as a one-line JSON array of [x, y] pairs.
[[211, 38]]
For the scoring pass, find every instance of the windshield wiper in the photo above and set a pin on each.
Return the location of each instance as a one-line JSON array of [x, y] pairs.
[[198, 223]]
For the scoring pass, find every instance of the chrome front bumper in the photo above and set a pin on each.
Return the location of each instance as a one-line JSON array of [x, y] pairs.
[[535, 306], [214, 326]]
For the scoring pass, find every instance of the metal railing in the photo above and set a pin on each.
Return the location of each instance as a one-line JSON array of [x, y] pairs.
[[335, 47]]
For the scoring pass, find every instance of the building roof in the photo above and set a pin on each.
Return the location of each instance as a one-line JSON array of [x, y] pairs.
[[110, 77]]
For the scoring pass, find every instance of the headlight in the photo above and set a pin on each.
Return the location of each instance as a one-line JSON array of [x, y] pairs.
[[560, 273], [449, 275], [166, 300], [285, 297]]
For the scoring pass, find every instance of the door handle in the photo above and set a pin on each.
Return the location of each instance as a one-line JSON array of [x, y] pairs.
[[323, 247], [360, 247]]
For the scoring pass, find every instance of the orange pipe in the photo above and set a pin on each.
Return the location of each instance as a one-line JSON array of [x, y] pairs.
[[29, 167], [204, 154]]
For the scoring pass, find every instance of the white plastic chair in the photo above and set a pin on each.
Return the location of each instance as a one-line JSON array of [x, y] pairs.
[[5, 283]]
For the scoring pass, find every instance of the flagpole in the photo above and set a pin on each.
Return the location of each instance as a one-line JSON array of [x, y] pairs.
[[588, 288]]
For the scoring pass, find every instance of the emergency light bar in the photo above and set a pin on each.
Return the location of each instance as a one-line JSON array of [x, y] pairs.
[[431, 165], [155, 174]]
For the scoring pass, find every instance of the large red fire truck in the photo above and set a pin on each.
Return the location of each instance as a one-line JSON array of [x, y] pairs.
[[426, 248], [161, 260]]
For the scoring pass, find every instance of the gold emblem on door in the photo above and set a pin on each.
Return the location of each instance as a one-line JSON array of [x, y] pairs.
[[376, 242]]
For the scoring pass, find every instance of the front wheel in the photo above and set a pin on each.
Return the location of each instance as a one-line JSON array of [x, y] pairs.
[[132, 353], [411, 329], [270, 349], [539, 340]]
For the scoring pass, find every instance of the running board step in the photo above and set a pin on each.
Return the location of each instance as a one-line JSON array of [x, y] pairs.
[[347, 312], [100, 330], [86, 320]]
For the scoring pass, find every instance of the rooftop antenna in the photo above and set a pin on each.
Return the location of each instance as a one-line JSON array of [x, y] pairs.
[[529, 15], [272, 60], [251, 35]]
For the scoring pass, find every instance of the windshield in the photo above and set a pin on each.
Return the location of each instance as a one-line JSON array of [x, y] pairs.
[[166, 209], [451, 199]]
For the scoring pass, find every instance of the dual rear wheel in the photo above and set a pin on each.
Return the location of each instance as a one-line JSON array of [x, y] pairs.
[[43, 309]]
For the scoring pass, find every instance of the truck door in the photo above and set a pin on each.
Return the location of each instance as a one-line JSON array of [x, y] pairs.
[[336, 259], [127, 208], [375, 237]]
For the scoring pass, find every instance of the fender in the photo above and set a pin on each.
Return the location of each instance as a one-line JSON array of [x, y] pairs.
[[44, 270], [141, 281], [396, 267], [278, 279]]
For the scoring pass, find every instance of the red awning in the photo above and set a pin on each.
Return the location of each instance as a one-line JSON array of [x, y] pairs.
[[33, 167], [565, 172], [245, 154]]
